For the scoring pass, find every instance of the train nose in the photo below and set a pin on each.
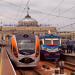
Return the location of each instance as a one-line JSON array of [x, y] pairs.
[[26, 60]]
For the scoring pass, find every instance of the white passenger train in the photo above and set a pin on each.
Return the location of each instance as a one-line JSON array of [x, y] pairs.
[[24, 50]]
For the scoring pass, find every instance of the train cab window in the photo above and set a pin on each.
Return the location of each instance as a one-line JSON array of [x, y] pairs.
[[57, 42], [26, 47], [47, 42]]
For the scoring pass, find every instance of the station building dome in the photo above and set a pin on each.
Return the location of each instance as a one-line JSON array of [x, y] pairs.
[[28, 21]]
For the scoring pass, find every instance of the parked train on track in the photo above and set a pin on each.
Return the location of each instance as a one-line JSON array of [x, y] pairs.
[[24, 50], [50, 47]]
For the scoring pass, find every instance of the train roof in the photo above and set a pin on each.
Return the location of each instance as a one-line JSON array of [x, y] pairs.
[[49, 36]]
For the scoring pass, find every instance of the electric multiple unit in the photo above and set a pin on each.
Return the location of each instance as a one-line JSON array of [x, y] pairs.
[[50, 47], [24, 50]]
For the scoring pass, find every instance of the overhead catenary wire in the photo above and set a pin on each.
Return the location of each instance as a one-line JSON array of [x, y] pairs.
[[27, 4], [45, 13], [18, 12], [10, 3], [40, 11], [66, 25], [25, 7], [68, 10], [10, 18], [49, 14], [60, 3]]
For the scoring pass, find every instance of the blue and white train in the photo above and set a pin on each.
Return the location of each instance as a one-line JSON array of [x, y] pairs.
[[50, 47]]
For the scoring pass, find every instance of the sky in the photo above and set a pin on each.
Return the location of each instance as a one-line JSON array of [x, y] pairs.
[[57, 13]]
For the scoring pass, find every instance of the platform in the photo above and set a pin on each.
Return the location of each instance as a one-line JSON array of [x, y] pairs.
[[0, 65], [7, 68], [70, 57], [70, 54]]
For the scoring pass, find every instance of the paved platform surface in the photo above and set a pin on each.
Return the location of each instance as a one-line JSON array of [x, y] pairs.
[[70, 54], [7, 68], [0, 65]]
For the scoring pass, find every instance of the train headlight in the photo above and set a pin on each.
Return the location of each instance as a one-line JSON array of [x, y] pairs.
[[59, 48]]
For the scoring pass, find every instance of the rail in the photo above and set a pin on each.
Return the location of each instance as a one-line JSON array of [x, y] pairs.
[[70, 66], [27, 72]]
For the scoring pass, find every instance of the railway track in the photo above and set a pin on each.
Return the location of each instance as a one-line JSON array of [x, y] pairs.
[[39, 71], [70, 66], [27, 71], [67, 65]]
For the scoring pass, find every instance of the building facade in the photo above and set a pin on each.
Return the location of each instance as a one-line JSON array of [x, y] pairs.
[[27, 26], [67, 35]]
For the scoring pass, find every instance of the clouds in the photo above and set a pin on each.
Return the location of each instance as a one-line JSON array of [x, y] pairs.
[[44, 11]]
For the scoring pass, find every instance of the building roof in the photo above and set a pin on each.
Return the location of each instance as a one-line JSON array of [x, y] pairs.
[[28, 18], [28, 21]]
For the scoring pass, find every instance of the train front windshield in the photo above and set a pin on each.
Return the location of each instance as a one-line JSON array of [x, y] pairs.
[[57, 42], [26, 47], [49, 42]]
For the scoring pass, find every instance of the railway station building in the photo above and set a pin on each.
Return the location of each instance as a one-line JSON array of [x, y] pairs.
[[28, 25]]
